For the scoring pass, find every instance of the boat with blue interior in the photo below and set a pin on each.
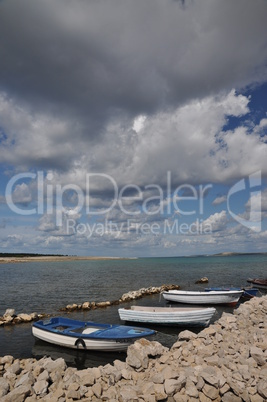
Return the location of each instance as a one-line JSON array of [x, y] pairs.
[[88, 335]]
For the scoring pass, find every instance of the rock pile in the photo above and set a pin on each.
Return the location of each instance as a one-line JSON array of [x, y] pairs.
[[11, 318], [137, 294], [225, 362], [202, 280], [129, 296]]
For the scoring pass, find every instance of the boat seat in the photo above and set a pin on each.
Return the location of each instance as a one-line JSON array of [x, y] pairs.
[[90, 330], [84, 330]]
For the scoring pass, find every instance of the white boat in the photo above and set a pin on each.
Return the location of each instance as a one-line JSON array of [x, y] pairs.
[[87, 335], [229, 297], [182, 316]]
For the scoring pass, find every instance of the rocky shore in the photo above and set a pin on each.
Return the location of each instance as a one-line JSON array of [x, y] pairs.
[[226, 361]]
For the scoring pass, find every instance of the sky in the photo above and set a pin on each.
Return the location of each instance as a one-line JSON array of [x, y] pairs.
[[133, 128]]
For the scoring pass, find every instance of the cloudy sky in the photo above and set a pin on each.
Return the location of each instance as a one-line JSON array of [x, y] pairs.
[[133, 128]]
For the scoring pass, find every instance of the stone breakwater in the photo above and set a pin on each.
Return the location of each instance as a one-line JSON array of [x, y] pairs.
[[126, 297], [10, 316], [226, 361]]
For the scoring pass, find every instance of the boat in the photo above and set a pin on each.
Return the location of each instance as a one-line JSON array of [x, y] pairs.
[[229, 297], [258, 282], [248, 292], [87, 335], [192, 316]]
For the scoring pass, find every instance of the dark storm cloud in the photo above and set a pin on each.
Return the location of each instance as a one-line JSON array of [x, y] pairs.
[[93, 59], [75, 74]]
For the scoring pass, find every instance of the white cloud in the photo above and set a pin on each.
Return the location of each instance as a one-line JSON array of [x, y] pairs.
[[138, 123], [47, 223], [14, 240], [219, 200], [256, 206], [22, 194], [169, 244], [217, 221]]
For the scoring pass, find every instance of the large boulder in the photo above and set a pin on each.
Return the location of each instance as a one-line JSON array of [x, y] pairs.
[[138, 354], [9, 312], [202, 280]]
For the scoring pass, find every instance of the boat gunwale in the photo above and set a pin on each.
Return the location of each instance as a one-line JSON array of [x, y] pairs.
[[94, 335], [200, 293], [167, 310]]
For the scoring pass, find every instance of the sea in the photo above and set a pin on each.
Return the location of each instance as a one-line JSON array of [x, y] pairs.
[[46, 287]]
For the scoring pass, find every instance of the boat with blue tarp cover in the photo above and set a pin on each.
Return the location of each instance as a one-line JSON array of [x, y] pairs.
[[249, 292], [88, 335], [258, 282]]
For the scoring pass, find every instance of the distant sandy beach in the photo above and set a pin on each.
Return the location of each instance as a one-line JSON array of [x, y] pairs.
[[7, 260]]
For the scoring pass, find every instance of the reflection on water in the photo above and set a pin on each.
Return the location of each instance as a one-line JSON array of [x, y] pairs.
[[75, 358]]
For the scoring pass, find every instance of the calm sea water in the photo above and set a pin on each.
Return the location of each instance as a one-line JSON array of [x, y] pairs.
[[48, 286]]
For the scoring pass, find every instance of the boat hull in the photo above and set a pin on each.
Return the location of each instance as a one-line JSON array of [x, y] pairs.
[[73, 343], [229, 298], [258, 283], [167, 315], [87, 335], [249, 293]]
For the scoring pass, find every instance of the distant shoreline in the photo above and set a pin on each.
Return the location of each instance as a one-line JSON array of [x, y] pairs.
[[16, 257], [226, 254], [48, 258]]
